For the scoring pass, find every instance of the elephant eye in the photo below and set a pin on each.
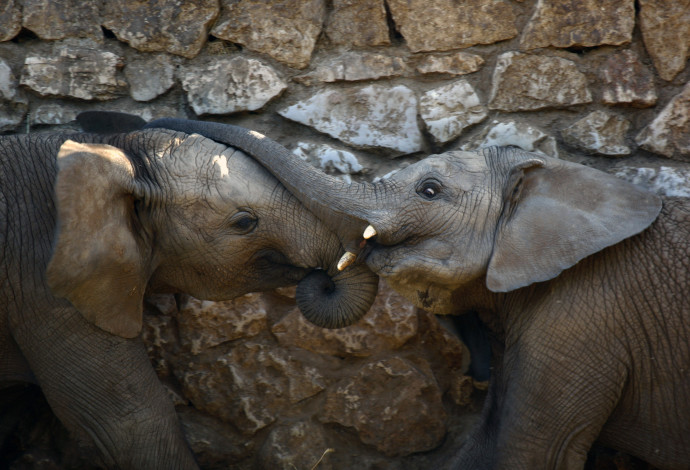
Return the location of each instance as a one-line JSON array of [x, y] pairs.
[[243, 222], [429, 189]]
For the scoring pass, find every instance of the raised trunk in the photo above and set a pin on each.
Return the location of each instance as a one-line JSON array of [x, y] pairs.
[[325, 301]]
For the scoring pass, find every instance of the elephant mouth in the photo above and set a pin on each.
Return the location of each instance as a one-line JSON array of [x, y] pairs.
[[274, 269]]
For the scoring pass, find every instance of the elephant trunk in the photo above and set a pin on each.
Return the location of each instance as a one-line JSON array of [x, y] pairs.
[[327, 302]]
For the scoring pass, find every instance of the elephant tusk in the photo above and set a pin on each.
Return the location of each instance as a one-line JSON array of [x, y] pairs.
[[347, 259], [369, 232]]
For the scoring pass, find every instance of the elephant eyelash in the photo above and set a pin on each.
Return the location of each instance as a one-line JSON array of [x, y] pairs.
[[430, 189], [243, 222]]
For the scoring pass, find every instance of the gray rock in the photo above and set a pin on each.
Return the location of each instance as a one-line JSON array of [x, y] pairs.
[[665, 181], [13, 103], [284, 29], [77, 72], [524, 82], [370, 116], [229, 85], [449, 109], [669, 133], [459, 63], [53, 114], [515, 133], [599, 133], [354, 66], [329, 159], [149, 76]]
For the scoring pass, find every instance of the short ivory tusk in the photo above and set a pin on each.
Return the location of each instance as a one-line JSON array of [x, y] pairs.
[[369, 232], [347, 259]]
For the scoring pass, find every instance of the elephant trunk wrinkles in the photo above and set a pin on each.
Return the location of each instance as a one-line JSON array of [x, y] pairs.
[[327, 302]]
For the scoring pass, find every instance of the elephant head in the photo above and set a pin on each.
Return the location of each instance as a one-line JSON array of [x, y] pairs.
[[501, 217], [165, 211]]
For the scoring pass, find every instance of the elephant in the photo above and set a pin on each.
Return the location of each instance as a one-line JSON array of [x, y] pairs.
[[582, 276], [91, 223]]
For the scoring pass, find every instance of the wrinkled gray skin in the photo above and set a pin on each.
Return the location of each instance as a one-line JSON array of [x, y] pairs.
[[88, 228], [584, 275]]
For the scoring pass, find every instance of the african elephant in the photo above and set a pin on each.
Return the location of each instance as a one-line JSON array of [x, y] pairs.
[[90, 223], [583, 276]]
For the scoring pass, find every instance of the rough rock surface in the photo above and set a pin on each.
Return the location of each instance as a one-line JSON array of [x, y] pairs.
[[345, 26], [286, 31], [10, 19], [77, 72], [669, 133], [229, 85], [49, 19], [459, 63], [449, 109], [666, 31], [627, 81], [354, 66], [329, 159], [373, 399], [150, 76], [442, 25], [13, 105], [599, 133], [665, 181], [515, 133], [370, 116], [523, 82], [175, 26], [585, 23]]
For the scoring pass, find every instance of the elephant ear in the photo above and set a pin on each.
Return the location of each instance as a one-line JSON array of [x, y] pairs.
[[557, 213], [97, 263]]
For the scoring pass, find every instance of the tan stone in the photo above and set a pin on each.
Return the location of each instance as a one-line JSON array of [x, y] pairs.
[[441, 25], [523, 82], [204, 324], [10, 19], [78, 72], [284, 29], [626, 80], [176, 26], [585, 23], [358, 23], [354, 66], [460, 63], [669, 133], [390, 322], [599, 133], [295, 445], [58, 20], [393, 404], [665, 29]]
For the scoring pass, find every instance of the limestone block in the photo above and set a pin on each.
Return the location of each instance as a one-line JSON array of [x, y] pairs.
[[459, 63], [353, 66], [228, 85], [586, 23], [524, 82], [329, 159], [204, 324], [358, 23], [176, 26], [53, 114], [599, 133], [284, 29], [393, 404], [51, 20], [669, 133], [515, 133], [253, 384], [10, 19], [149, 76], [389, 324], [665, 181], [295, 445], [77, 72], [442, 25], [665, 29], [370, 116], [626, 80], [449, 109]]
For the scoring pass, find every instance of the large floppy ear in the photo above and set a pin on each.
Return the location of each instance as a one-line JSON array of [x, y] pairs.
[[557, 213], [97, 263]]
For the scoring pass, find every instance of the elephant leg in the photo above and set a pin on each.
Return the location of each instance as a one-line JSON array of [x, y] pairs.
[[104, 390], [543, 410]]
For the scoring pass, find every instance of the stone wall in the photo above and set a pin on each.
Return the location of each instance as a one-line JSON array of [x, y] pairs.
[[360, 88]]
